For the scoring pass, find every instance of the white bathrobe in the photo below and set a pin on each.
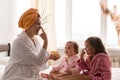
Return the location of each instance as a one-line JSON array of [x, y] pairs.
[[26, 60]]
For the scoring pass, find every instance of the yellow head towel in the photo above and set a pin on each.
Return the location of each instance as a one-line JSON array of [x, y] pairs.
[[28, 18]]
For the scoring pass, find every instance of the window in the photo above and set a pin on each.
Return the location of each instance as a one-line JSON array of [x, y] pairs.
[[111, 31], [60, 21], [78, 19], [85, 19]]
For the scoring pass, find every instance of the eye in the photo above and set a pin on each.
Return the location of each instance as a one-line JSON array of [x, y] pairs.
[[38, 23]]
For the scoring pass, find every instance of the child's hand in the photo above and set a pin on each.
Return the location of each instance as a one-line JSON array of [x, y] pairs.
[[82, 54], [68, 71]]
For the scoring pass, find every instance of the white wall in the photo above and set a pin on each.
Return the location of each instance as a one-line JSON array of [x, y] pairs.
[[5, 14], [10, 11]]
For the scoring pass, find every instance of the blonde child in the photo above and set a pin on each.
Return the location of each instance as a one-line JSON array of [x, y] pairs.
[[68, 65]]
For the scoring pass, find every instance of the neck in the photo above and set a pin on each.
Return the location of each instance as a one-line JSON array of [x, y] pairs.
[[29, 33]]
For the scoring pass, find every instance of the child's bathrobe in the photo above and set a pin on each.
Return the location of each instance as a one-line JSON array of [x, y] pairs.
[[99, 68], [70, 64], [26, 60]]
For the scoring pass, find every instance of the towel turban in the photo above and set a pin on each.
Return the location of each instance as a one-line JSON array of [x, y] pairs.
[[28, 18]]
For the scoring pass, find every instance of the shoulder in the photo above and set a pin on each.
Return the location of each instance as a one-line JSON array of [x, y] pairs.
[[76, 57], [102, 57]]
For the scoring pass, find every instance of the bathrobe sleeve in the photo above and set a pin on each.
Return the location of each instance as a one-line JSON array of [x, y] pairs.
[[27, 55], [104, 67], [75, 69]]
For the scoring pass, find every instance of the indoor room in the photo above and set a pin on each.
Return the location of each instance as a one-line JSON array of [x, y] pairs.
[[63, 21]]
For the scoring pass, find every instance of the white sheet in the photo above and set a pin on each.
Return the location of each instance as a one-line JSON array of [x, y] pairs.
[[3, 62], [115, 73], [1, 71]]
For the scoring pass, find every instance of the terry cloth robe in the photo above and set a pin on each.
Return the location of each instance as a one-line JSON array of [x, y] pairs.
[[26, 59], [99, 68], [70, 64]]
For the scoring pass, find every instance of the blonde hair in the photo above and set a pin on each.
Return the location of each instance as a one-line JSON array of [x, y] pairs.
[[75, 46]]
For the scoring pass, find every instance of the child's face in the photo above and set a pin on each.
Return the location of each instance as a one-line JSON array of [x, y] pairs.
[[69, 49], [90, 50]]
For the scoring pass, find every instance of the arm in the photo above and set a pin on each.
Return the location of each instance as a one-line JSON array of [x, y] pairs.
[[105, 66], [22, 50], [57, 67], [75, 69], [44, 37], [81, 62], [102, 69]]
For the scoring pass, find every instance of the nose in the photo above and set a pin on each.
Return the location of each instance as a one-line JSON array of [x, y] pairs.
[[39, 26], [66, 50]]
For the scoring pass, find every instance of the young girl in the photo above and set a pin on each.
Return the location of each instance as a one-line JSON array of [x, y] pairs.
[[68, 65], [97, 65]]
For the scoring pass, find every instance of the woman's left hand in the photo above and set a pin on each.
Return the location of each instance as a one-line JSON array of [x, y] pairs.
[[43, 35], [45, 39]]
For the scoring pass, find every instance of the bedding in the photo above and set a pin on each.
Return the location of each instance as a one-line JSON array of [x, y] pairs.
[[3, 62], [115, 73]]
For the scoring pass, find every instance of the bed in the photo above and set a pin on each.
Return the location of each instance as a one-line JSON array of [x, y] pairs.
[[115, 69], [3, 63]]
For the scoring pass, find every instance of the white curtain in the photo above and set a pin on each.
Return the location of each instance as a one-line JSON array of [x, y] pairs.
[[46, 9]]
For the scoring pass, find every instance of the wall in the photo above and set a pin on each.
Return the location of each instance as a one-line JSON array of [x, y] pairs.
[[10, 11], [5, 20]]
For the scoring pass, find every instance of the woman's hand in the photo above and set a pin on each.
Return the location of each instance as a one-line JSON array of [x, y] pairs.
[[53, 71], [45, 39], [43, 35]]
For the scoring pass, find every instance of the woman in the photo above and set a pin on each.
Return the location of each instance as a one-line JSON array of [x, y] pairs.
[[27, 57]]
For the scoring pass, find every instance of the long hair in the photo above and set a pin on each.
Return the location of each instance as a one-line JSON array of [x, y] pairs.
[[97, 44]]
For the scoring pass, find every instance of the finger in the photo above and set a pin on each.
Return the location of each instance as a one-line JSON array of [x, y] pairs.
[[43, 30]]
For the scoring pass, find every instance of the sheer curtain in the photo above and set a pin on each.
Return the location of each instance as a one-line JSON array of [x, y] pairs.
[[85, 19], [46, 8], [111, 30], [10, 12], [79, 19], [76, 20]]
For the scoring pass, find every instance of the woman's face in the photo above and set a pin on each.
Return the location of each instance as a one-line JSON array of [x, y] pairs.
[[36, 27], [69, 49], [90, 50]]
